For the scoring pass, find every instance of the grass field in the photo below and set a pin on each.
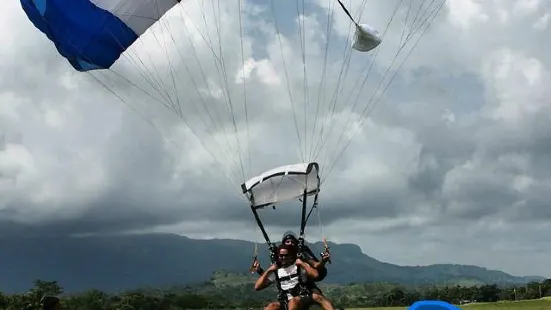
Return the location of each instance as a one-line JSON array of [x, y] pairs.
[[541, 304]]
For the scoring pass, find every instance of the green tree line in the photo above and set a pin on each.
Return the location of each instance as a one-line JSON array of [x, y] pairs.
[[243, 296]]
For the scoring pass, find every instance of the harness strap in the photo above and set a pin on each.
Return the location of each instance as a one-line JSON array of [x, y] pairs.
[[300, 289], [281, 296], [286, 278]]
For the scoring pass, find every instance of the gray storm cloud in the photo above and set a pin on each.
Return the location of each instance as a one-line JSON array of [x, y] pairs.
[[458, 143]]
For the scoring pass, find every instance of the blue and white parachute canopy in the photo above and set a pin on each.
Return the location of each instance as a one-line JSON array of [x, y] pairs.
[[92, 34], [192, 84]]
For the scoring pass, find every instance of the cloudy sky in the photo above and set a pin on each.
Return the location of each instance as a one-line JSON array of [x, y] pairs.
[[453, 164]]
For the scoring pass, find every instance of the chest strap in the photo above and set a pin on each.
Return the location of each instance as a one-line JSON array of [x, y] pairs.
[[299, 289]]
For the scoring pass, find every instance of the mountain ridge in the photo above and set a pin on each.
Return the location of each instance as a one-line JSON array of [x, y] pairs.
[[122, 262]]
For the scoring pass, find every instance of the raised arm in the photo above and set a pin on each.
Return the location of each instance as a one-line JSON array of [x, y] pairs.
[[256, 267], [264, 280], [320, 264], [310, 271]]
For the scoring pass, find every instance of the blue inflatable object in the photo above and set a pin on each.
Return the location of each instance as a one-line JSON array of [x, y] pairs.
[[433, 305]]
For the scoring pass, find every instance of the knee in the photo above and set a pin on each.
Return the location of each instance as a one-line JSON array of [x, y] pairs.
[[294, 303], [317, 297], [272, 306], [321, 300]]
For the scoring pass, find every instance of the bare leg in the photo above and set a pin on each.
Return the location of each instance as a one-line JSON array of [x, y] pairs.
[[295, 303], [272, 306], [322, 301]]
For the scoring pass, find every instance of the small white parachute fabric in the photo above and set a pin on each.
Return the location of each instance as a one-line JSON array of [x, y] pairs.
[[366, 38], [138, 15], [282, 184]]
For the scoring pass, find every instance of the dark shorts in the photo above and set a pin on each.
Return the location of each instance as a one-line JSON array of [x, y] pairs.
[[306, 301], [322, 275], [314, 288]]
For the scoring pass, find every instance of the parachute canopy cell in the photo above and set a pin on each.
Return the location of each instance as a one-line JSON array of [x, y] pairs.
[[282, 184], [92, 34], [366, 38]]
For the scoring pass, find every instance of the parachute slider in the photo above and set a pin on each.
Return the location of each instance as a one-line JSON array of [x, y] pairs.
[[282, 184]]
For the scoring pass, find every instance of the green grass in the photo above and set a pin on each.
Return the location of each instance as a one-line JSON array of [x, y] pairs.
[[541, 304]]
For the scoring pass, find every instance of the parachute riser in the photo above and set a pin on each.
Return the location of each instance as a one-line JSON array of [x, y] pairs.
[[304, 219], [270, 244]]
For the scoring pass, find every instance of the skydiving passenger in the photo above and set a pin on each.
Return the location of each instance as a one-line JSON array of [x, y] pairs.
[[317, 295], [289, 239], [290, 274]]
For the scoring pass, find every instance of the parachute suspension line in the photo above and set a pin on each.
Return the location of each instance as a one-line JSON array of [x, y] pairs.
[[227, 88], [368, 67], [244, 90], [361, 10], [152, 124], [222, 75], [305, 216], [148, 75], [175, 108], [343, 74], [302, 37], [278, 34], [344, 69], [195, 86], [321, 88], [209, 44], [209, 127], [315, 206], [366, 76], [157, 78], [168, 101], [134, 62], [302, 222], [232, 180], [320, 223], [416, 20], [132, 108], [176, 105], [207, 84], [347, 13], [270, 244], [130, 50], [432, 16], [168, 104], [405, 24], [172, 71]]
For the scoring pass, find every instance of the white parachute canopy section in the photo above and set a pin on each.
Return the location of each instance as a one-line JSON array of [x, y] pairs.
[[282, 184], [366, 38]]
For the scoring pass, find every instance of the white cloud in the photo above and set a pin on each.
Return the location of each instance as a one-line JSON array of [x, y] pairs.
[[465, 13], [519, 83], [452, 163], [542, 22]]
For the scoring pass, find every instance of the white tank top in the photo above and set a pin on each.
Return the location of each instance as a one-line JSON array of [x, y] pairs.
[[289, 278]]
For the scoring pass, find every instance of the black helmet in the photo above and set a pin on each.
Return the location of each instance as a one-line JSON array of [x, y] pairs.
[[288, 235]]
